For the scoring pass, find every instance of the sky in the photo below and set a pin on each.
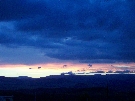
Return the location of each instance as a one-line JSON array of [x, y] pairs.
[[53, 33]]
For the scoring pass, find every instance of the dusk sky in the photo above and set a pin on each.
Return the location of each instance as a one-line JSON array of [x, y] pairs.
[[53, 33]]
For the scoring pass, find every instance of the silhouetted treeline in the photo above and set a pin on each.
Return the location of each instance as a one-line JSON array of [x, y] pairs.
[[70, 88]]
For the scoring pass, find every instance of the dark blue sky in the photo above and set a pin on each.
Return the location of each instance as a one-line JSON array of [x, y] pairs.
[[42, 31]]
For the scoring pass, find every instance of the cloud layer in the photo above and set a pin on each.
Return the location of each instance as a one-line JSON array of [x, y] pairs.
[[83, 30]]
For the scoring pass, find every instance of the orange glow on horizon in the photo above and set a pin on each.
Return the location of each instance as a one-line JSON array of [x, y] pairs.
[[10, 70], [73, 66]]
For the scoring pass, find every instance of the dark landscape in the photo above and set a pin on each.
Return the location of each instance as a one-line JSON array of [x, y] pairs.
[[112, 87]]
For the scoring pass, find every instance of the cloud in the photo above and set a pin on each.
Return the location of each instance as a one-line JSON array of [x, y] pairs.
[[23, 55], [88, 30]]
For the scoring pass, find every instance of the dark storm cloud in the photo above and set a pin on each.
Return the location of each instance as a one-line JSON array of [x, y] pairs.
[[16, 10], [84, 30]]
